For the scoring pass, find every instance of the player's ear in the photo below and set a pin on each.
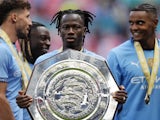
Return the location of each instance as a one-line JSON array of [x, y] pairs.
[[13, 17]]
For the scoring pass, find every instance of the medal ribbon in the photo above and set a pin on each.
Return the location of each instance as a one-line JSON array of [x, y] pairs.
[[26, 71], [150, 78], [25, 64]]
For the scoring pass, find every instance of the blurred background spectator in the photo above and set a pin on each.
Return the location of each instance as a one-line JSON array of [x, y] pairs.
[[110, 26]]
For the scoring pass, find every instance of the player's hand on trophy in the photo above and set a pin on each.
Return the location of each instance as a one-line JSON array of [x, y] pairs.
[[121, 95], [23, 100]]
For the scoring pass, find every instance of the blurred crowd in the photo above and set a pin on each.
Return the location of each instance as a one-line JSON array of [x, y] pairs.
[[110, 26]]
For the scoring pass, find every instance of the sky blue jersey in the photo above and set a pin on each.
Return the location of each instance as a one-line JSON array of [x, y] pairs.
[[11, 74], [126, 69]]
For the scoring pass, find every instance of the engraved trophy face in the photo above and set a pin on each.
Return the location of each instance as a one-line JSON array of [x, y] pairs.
[[72, 86]]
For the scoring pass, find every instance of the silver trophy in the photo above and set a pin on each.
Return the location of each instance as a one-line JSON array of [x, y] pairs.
[[72, 86]]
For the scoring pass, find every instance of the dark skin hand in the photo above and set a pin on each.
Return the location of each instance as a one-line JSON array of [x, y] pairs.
[[121, 95], [23, 100]]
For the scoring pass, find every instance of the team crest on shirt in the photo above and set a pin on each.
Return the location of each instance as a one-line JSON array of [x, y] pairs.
[[17, 73]]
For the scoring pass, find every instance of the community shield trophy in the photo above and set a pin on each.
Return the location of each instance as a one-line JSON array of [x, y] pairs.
[[72, 86]]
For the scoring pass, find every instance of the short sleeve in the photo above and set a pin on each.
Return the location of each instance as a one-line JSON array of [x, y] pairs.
[[4, 62], [113, 64]]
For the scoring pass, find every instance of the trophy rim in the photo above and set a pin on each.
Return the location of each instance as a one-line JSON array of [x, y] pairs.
[[110, 105]]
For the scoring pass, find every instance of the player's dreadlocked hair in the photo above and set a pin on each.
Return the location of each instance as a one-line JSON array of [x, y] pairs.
[[86, 16], [26, 44], [148, 8]]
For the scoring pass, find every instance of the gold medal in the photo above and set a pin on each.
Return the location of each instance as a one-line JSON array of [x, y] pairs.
[[147, 99], [153, 62]]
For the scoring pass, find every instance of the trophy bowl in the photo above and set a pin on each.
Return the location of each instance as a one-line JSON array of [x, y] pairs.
[[72, 86]]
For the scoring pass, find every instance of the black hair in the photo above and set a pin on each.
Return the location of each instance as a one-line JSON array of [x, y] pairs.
[[34, 25], [86, 16], [146, 7], [26, 43], [6, 6]]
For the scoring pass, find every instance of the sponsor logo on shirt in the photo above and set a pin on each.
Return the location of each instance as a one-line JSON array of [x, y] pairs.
[[135, 64], [141, 80]]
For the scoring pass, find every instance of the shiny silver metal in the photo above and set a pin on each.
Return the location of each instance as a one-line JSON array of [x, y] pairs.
[[72, 86]]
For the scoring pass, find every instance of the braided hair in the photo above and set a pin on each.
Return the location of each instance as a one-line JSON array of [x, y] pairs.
[[86, 16]]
